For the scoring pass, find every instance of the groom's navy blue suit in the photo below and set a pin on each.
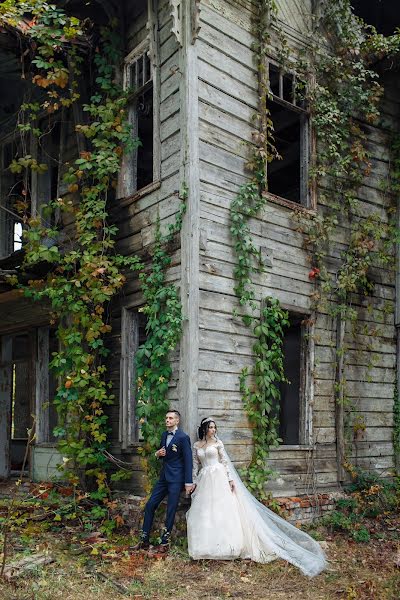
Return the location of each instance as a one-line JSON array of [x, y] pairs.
[[175, 472]]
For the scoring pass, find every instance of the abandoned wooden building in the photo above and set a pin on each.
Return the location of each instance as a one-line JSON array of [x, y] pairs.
[[196, 91]]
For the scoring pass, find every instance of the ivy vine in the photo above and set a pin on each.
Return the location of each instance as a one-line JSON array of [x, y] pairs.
[[84, 275], [163, 310], [346, 94], [261, 396]]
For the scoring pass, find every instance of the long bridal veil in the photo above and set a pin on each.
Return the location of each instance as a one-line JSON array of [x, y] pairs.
[[266, 532]]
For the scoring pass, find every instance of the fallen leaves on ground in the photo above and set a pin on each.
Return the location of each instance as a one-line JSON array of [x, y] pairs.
[[361, 571]]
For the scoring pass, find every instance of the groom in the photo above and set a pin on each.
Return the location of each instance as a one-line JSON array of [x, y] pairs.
[[176, 455]]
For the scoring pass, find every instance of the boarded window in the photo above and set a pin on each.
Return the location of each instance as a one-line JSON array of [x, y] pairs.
[[133, 335], [288, 177]]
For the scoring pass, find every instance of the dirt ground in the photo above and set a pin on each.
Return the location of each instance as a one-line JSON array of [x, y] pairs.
[[91, 569]]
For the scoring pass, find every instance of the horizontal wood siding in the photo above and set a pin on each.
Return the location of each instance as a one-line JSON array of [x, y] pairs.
[[136, 218], [227, 102]]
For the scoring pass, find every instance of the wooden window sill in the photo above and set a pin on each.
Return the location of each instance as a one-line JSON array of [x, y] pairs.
[[295, 206], [155, 185]]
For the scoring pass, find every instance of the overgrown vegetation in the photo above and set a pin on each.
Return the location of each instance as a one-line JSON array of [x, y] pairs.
[[91, 565], [85, 271], [369, 497], [261, 397], [163, 310], [343, 101]]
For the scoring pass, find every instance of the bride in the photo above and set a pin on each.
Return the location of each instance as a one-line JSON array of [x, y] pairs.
[[225, 521]]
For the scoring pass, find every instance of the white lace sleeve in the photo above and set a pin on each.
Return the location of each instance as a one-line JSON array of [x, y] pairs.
[[196, 463], [223, 458]]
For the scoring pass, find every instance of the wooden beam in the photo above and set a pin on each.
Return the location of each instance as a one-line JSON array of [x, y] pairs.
[[10, 296], [190, 175]]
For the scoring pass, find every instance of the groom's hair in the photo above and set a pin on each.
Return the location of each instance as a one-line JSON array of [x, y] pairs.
[[174, 411]]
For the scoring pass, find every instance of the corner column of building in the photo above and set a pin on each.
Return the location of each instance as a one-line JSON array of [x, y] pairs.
[[190, 177]]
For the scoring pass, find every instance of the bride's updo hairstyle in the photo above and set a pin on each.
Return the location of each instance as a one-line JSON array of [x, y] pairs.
[[204, 427]]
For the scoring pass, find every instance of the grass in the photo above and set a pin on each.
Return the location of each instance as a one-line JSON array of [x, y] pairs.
[[108, 571]]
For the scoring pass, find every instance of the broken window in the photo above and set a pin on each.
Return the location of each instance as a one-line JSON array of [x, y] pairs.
[[140, 166], [13, 189], [292, 410], [22, 194], [27, 388], [288, 177], [133, 335]]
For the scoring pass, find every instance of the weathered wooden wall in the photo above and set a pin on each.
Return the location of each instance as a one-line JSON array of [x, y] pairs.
[[227, 101], [136, 216]]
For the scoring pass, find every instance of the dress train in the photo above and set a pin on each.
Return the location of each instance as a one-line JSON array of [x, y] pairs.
[[222, 524]]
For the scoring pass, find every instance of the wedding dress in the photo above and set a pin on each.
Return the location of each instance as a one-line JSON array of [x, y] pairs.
[[222, 524]]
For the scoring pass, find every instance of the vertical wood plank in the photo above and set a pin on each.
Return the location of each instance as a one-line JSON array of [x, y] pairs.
[[189, 350]]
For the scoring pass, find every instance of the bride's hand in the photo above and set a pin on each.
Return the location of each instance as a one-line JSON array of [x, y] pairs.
[[232, 484]]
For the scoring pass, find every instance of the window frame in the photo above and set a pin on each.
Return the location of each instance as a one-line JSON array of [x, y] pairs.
[[307, 141], [7, 216], [127, 182], [129, 434], [307, 361], [42, 388], [36, 185]]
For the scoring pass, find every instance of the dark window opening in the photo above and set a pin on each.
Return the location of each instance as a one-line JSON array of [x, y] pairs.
[[288, 88], [18, 195], [382, 14], [14, 196], [142, 324], [291, 393], [21, 386], [274, 79], [139, 165], [144, 110], [284, 175], [288, 176]]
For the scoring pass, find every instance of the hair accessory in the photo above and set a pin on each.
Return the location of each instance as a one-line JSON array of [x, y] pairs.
[[204, 421]]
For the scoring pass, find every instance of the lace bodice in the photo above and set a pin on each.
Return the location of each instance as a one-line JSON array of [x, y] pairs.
[[208, 455]]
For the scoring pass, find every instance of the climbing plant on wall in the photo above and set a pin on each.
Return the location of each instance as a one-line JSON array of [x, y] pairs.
[[346, 94], [260, 393], [163, 310], [84, 269], [345, 101]]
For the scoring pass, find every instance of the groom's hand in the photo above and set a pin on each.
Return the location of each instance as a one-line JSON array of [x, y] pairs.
[[189, 488], [161, 452]]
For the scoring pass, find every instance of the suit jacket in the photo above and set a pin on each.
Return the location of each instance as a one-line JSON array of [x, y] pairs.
[[177, 463]]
